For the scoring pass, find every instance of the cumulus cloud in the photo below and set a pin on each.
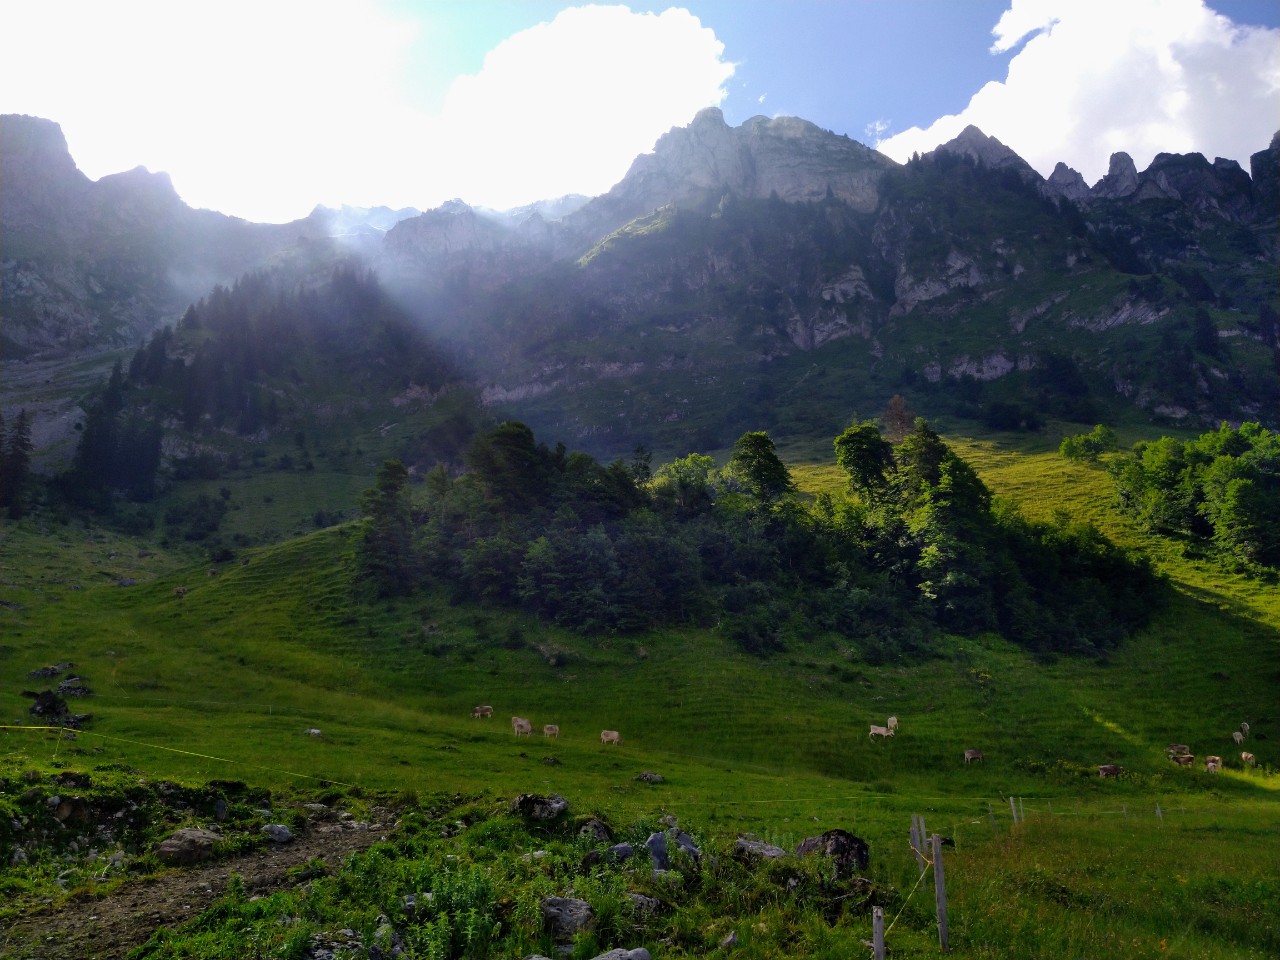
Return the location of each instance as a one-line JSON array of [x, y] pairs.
[[564, 107], [264, 109], [1141, 76]]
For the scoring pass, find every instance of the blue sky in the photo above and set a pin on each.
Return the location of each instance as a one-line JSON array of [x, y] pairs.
[[263, 109]]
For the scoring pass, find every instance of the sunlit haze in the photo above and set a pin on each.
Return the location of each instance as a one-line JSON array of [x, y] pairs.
[[263, 110]]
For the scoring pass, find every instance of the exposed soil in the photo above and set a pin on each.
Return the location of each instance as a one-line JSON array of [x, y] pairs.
[[109, 926]]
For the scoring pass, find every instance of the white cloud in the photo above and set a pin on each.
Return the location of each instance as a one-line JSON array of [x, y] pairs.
[[1140, 76], [564, 107], [876, 129], [265, 109]]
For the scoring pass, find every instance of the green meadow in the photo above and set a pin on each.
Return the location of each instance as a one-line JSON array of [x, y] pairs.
[[224, 682]]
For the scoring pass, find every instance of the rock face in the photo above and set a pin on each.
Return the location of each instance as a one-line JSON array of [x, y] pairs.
[[1121, 180], [989, 152], [786, 156], [93, 263], [1066, 182]]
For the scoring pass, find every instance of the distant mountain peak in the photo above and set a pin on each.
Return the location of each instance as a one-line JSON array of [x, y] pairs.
[[990, 152]]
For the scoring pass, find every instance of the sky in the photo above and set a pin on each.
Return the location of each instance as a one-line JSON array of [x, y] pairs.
[[264, 108]]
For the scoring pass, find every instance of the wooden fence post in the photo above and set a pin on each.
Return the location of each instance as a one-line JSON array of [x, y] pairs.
[[877, 932], [918, 840], [940, 892], [1013, 808]]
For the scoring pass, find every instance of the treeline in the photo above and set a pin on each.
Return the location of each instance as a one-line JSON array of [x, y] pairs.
[[15, 463], [1220, 489], [248, 358], [225, 364], [916, 547]]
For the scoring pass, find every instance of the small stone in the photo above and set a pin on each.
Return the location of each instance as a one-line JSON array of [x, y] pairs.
[[278, 833]]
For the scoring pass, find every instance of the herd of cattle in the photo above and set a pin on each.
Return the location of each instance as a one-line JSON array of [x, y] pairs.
[[1179, 753], [522, 726]]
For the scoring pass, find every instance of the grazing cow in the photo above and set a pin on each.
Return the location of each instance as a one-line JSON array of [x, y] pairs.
[[313, 732], [971, 755], [213, 571], [1177, 749], [551, 730], [520, 725], [1244, 728], [1212, 764], [1247, 758], [1238, 737], [179, 592], [610, 736], [482, 711], [880, 732], [1184, 759], [1110, 770], [892, 723]]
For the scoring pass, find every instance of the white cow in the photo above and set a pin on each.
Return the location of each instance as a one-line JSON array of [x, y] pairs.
[[972, 755], [880, 732], [520, 725], [1238, 737], [1247, 758], [551, 730], [1212, 764], [892, 723], [484, 710], [610, 736], [1244, 728]]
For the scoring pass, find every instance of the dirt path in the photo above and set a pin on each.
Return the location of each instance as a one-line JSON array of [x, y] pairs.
[[108, 927]]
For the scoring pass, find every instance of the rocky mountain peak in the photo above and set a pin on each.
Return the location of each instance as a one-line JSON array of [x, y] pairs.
[[1264, 167], [986, 150], [765, 156], [1121, 179], [1067, 182], [39, 174]]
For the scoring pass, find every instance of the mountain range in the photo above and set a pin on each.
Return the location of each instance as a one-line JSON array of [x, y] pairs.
[[772, 275]]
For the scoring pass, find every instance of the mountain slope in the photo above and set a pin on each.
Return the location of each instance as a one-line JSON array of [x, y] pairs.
[[770, 275]]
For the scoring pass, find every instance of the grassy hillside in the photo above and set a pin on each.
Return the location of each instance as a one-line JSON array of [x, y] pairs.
[[225, 681]]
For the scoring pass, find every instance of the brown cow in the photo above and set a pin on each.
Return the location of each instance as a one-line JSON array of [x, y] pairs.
[[1184, 760], [1110, 770], [971, 755], [179, 592], [520, 725], [481, 711], [1212, 764], [1177, 749], [610, 736], [1247, 758]]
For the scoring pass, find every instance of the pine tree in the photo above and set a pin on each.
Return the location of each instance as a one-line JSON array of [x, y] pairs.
[[15, 462]]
